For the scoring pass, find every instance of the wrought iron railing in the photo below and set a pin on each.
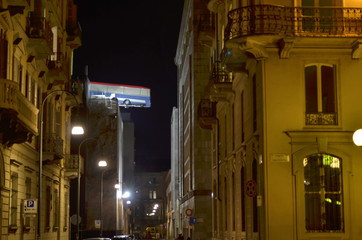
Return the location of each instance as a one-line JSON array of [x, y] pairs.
[[294, 21], [321, 118], [219, 75], [206, 22], [13, 100], [39, 28], [53, 143]]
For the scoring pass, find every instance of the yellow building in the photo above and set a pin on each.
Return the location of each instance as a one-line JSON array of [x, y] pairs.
[[281, 104], [37, 39]]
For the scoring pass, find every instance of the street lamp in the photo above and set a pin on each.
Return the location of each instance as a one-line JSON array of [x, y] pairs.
[[102, 164], [78, 187], [77, 131], [357, 137]]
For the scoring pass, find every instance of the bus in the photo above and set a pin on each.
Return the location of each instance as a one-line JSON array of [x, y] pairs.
[[127, 95]]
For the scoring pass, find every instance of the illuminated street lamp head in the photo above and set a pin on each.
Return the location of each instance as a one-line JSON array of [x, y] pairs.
[[102, 163], [77, 130], [126, 195], [357, 137]]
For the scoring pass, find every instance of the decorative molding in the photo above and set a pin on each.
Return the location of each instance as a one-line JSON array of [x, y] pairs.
[[285, 46], [357, 49], [28, 169], [15, 163]]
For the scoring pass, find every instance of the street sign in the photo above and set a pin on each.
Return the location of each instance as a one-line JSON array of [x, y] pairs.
[[193, 220], [75, 220], [250, 188], [30, 206], [97, 223]]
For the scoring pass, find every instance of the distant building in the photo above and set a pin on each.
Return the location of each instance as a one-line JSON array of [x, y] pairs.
[[149, 202]]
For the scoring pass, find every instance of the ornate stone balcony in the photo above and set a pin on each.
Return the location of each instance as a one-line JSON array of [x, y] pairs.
[[52, 148], [312, 26], [71, 165], [59, 69], [220, 85], [40, 37], [73, 29], [18, 117], [206, 113]]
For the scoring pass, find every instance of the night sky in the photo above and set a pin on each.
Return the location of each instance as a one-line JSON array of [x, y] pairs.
[[134, 43]]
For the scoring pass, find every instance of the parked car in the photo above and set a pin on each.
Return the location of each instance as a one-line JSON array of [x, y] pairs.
[[97, 238]]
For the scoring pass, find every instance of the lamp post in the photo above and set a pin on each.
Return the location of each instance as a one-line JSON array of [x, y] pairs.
[[78, 187], [77, 130], [102, 164]]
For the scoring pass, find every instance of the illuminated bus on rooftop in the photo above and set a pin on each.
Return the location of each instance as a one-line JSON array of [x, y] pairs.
[[127, 95]]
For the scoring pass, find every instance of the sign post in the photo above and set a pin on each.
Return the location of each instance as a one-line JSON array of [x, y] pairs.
[[250, 188]]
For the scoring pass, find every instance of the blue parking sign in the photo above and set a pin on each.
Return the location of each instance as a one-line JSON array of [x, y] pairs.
[[193, 220]]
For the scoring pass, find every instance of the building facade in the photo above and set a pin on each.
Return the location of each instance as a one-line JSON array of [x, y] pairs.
[[194, 155], [281, 105], [37, 40], [148, 205]]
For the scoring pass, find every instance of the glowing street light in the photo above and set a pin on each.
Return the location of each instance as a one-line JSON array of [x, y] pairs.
[[102, 164], [357, 137]]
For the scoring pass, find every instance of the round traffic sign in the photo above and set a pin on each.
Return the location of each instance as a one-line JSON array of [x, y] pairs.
[[188, 212], [250, 188]]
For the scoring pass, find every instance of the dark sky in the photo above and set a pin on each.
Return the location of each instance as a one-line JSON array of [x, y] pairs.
[[134, 43]]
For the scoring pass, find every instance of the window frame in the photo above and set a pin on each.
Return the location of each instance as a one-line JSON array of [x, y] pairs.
[[298, 173], [319, 116]]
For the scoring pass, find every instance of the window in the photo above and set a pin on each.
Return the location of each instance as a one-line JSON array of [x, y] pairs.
[[233, 199], [254, 104], [320, 94], [56, 208], [323, 193], [243, 210], [3, 55], [152, 194], [48, 207], [28, 196], [242, 117], [14, 200], [226, 213], [316, 19], [66, 208], [255, 207]]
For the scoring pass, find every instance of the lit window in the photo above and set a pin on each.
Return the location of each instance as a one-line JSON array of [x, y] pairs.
[[323, 193]]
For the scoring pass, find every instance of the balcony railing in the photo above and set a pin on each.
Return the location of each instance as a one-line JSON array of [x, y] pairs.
[[219, 75], [40, 36], [294, 21], [22, 112], [53, 145], [206, 114], [206, 24], [71, 165], [220, 86], [321, 118], [8, 95], [58, 66]]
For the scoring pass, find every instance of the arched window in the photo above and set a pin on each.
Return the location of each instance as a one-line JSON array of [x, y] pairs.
[[323, 193]]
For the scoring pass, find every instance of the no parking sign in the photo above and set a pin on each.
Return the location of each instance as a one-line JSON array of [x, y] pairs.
[[250, 188]]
